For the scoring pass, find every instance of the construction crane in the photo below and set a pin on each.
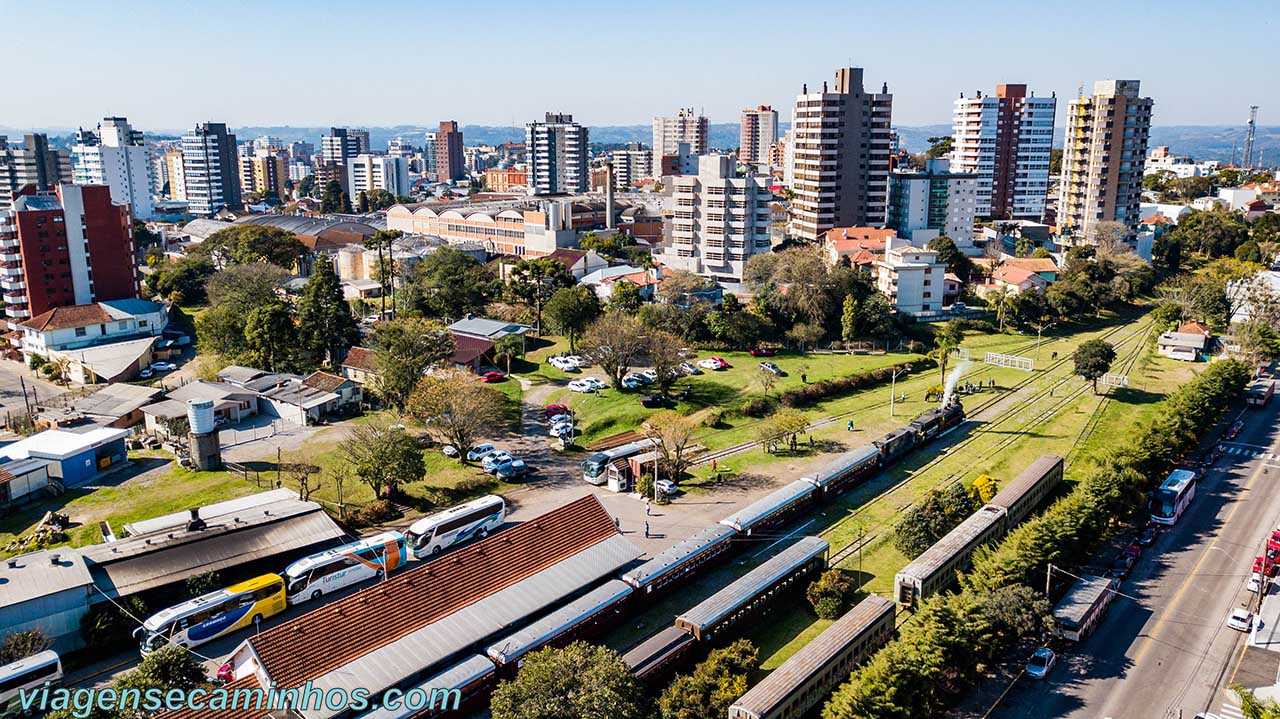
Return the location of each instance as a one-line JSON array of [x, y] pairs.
[[1248, 136]]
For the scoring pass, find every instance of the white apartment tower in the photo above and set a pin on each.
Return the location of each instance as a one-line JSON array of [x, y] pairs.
[[717, 221], [115, 155], [630, 166], [669, 132], [841, 145], [1106, 147], [925, 205], [378, 172], [757, 132], [210, 169], [1005, 139], [558, 157]]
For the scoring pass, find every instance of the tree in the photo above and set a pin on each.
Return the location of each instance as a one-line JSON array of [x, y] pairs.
[[626, 297], [805, 334], [379, 199], [781, 425], [675, 435], [1254, 708], [201, 584], [383, 456], [326, 329], [403, 351], [939, 147], [611, 245], [665, 353], [457, 408], [1266, 231], [930, 520], [1109, 237], [1216, 233], [871, 317], [1093, 359], [570, 310], [713, 686], [957, 262], [948, 337], [171, 667], [831, 593], [1041, 253], [581, 681], [508, 348], [22, 644], [614, 342], [1023, 246], [383, 242], [362, 202], [333, 199], [181, 282], [1249, 252], [1000, 301], [270, 337], [246, 244], [306, 186], [453, 283], [246, 287], [534, 281], [677, 285]]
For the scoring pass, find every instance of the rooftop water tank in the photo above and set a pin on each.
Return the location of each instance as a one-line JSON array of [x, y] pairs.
[[200, 415]]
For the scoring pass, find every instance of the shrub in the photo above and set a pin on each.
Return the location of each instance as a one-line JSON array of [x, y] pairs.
[[201, 584], [831, 594], [20, 645], [106, 626], [809, 394], [758, 407], [374, 513], [713, 419]]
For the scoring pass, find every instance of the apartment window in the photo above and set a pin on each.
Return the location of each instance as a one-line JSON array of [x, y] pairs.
[[81, 331]]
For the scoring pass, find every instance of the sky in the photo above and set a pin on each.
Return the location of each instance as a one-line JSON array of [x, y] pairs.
[[168, 65]]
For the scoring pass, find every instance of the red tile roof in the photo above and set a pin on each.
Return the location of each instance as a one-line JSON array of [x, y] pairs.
[[360, 358], [1156, 219], [324, 381], [1195, 328], [61, 318]]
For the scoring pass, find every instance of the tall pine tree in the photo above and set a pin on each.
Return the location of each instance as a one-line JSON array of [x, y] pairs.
[[326, 329]]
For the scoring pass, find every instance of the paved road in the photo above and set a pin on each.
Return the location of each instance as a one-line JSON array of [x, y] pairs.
[[1163, 651], [13, 376]]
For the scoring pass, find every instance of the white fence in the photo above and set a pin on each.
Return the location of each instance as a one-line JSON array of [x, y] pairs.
[[1023, 363], [1115, 380], [960, 353]]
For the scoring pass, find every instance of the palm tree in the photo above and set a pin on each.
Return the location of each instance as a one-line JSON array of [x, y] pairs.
[[944, 343], [1000, 301], [508, 348]]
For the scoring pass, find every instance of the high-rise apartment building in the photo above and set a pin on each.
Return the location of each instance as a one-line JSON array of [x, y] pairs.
[[263, 173], [267, 142], [32, 163], [399, 147], [342, 144], [116, 155], [718, 220], [429, 156], [377, 172], [669, 132], [71, 245], [558, 156], [840, 148], [925, 205], [756, 134], [211, 169], [1005, 139], [1106, 146], [630, 166], [450, 163], [177, 178]]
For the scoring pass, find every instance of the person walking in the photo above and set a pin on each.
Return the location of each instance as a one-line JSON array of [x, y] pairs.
[[646, 530], [647, 508], [713, 467], [617, 524], [849, 426]]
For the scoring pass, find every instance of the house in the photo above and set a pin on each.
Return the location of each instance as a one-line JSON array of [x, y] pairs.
[[492, 330], [471, 353], [1172, 212], [361, 289], [853, 245], [349, 393], [1194, 327], [358, 366], [1014, 278], [288, 397], [1255, 209], [912, 278], [1237, 198], [578, 263], [108, 341], [603, 281], [231, 404], [74, 458], [1042, 266], [1186, 346], [1009, 232], [1157, 224], [116, 405]]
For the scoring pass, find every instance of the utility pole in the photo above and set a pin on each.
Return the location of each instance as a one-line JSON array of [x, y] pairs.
[[1048, 579], [893, 382], [1039, 332]]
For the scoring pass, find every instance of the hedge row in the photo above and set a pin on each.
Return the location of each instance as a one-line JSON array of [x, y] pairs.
[[808, 394], [943, 650]]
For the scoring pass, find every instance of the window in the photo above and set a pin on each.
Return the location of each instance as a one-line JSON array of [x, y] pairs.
[[81, 331]]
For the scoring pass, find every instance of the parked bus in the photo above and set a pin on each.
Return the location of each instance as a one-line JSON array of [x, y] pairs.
[[1173, 496], [593, 468], [213, 615], [33, 672], [328, 571], [432, 535]]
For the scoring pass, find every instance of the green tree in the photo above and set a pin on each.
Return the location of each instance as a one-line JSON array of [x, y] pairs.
[[362, 202], [383, 456], [939, 147], [453, 283], [110, 626], [270, 337], [182, 282], [1254, 708], [333, 199], [570, 310], [1216, 233], [457, 408], [170, 668], [1023, 247], [379, 199], [307, 185], [201, 584], [245, 287], [383, 242], [246, 244], [220, 330], [22, 644], [534, 281], [326, 329], [1249, 252], [580, 681], [508, 348], [713, 686], [612, 245], [614, 343], [930, 520], [947, 338], [1041, 253], [626, 297], [403, 351], [1093, 359], [957, 262], [831, 593], [872, 317], [1001, 301], [1266, 231]]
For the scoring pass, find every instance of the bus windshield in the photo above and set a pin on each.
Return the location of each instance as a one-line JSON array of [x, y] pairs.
[[594, 465], [1165, 503], [296, 584], [153, 640]]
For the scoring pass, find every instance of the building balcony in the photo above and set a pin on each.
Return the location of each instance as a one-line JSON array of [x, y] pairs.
[[17, 312], [11, 269]]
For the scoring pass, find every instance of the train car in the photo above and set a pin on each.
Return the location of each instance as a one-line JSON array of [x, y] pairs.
[[895, 444], [463, 686], [756, 591], [846, 470], [804, 680], [1029, 489], [772, 510], [657, 657], [936, 421], [936, 569], [574, 620], [680, 561]]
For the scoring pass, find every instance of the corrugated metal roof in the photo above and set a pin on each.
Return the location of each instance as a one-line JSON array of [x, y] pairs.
[[547, 628], [963, 536], [835, 469], [35, 575], [1080, 599], [735, 595], [758, 511], [687, 549], [1026, 480], [652, 651], [457, 676], [813, 657]]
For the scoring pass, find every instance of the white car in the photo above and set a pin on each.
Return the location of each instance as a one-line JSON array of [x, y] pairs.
[[559, 419], [147, 373], [563, 364], [1240, 620], [1041, 662], [576, 360], [689, 368], [651, 374], [480, 451], [492, 461], [597, 382], [665, 487], [449, 450], [581, 385], [163, 366], [1255, 582]]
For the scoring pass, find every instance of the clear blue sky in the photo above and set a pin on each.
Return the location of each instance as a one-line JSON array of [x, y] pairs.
[[167, 65]]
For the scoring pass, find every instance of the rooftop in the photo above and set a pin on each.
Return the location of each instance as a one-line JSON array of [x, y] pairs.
[[60, 444], [324, 381], [360, 358], [487, 328], [116, 400]]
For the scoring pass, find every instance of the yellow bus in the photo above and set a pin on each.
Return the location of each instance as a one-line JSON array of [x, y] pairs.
[[213, 615]]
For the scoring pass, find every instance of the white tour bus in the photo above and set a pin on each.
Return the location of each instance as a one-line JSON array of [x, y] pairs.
[[1171, 499], [431, 535], [32, 672], [331, 570]]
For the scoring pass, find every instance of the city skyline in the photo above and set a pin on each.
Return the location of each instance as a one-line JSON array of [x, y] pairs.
[[452, 76]]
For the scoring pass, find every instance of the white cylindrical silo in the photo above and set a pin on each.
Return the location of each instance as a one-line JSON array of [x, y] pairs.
[[200, 416]]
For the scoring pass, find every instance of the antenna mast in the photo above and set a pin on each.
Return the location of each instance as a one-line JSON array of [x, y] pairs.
[[1248, 136]]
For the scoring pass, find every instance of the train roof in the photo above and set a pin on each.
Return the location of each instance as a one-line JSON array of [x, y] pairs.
[[753, 513], [732, 597], [894, 435], [845, 462], [956, 540], [653, 652], [775, 689], [674, 556], [455, 677], [511, 648], [1080, 599], [1031, 476]]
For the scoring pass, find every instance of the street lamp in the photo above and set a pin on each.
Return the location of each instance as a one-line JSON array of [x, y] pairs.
[[893, 382], [1039, 331]]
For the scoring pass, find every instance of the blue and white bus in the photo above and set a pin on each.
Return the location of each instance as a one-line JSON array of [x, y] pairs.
[[30, 673], [475, 519], [213, 615], [340, 567], [593, 468], [1171, 499]]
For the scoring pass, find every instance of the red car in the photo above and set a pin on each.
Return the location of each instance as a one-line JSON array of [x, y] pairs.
[[493, 376], [1272, 567], [555, 409], [763, 352]]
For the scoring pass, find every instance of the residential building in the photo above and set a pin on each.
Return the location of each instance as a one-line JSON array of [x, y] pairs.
[[605, 280], [489, 329], [263, 173], [1161, 161], [1005, 140], [1106, 146], [576, 262], [377, 172], [177, 177], [32, 163], [684, 161], [327, 172], [429, 156], [718, 220], [857, 247], [68, 246], [630, 166], [116, 155], [777, 155], [115, 405], [756, 135], [505, 179], [913, 279], [299, 170], [359, 366], [400, 147], [210, 169], [450, 164], [924, 205], [108, 341], [559, 161], [685, 126], [841, 149], [342, 144]]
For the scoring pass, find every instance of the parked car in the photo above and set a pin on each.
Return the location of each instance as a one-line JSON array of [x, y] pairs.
[[1041, 662], [597, 382], [514, 469], [163, 366], [1255, 582], [552, 410], [689, 368], [1240, 620], [666, 487], [562, 431], [716, 363], [559, 419], [1149, 535], [147, 373], [638, 377], [564, 364], [1271, 568], [577, 360], [220, 420], [492, 461], [657, 400], [480, 451], [1121, 566], [581, 385], [449, 450], [763, 352], [771, 368], [651, 374], [493, 376]]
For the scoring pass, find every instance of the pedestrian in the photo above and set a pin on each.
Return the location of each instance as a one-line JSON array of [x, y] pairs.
[[849, 426], [646, 507], [646, 530], [804, 378], [617, 523], [810, 441], [713, 466]]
